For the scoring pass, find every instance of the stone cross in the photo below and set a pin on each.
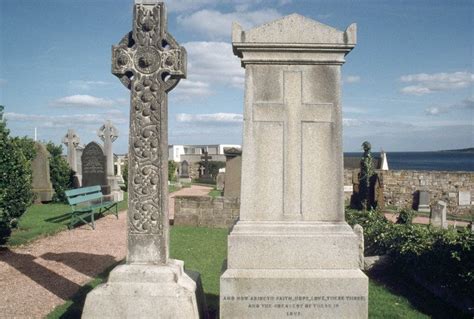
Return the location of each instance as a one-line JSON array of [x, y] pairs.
[[202, 170], [293, 113], [206, 159], [150, 63], [108, 133], [71, 140]]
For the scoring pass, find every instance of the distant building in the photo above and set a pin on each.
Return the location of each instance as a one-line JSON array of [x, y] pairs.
[[193, 153]]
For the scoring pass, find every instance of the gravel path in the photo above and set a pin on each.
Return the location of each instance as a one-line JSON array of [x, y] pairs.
[[36, 278]]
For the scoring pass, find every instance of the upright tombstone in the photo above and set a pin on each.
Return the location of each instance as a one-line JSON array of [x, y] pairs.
[[150, 63], [424, 201], [184, 172], [291, 253], [233, 172], [94, 167], [108, 133], [438, 215], [41, 184], [71, 140], [119, 163]]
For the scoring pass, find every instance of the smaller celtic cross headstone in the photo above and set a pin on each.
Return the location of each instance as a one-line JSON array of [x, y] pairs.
[[71, 140], [108, 133]]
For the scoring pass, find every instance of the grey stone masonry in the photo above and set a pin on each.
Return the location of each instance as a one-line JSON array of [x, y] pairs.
[[41, 178], [291, 245], [150, 63]]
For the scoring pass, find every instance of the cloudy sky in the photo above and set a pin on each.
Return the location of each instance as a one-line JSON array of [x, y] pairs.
[[408, 84]]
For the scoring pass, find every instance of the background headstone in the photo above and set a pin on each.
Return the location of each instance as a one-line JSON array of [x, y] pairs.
[[72, 140], [291, 238], [464, 198], [233, 172], [438, 215], [41, 184], [150, 63], [94, 171], [220, 179], [424, 201], [108, 133]]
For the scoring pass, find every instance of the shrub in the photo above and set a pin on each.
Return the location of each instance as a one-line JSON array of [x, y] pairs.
[[214, 168], [439, 256], [405, 217], [172, 166], [62, 176], [125, 176], [15, 179]]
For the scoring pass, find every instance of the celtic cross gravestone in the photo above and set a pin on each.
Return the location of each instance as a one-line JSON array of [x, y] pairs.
[[150, 63], [72, 140], [108, 133]]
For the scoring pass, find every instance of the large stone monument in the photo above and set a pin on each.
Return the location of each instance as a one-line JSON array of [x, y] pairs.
[[292, 254], [150, 63], [41, 178], [71, 140], [94, 167], [108, 133]]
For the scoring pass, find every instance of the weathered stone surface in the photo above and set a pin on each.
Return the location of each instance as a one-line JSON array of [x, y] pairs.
[[41, 184], [94, 167], [233, 172], [108, 133], [464, 198], [220, 180], [438, 215], [291, 239], [72, 140], [424, 201], [150, 63]]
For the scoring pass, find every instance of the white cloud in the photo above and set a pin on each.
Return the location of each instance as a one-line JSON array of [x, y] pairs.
[[210, 119], [86, 85], [353, 122], [83, 100], [71, 120], [424, 83], [188, 89], [218, 25], [193, 5], [210, 64], [467, 103], [351, 79]]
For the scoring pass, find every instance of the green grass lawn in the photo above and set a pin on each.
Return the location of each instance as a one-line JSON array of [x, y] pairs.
[[215, 193], [204, 250], [42, 220]]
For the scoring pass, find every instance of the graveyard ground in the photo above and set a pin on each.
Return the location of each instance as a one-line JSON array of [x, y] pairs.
[[204, 250]]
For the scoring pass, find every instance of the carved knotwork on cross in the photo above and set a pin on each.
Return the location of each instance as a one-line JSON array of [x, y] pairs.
[[71, 139], [150, 63], [108, 132]]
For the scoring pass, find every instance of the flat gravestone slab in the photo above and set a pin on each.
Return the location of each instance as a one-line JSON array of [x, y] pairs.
[[464, 198]]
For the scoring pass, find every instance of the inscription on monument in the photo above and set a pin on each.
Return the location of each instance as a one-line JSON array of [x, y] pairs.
[[293, 306]]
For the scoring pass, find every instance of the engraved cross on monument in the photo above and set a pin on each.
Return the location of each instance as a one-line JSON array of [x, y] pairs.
[[150, 63], [293, 113]]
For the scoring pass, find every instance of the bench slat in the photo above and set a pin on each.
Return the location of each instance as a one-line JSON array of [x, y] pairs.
[[84, 198], [83, 190]]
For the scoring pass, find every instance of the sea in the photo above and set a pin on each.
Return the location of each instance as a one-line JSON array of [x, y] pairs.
[[427, 161]]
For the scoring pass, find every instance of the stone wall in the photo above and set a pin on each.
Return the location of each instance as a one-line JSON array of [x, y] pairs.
[[401, 187], [205, 211]]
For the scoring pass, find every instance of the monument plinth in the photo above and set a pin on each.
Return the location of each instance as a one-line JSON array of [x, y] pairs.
[[292, 254], [150, 63]]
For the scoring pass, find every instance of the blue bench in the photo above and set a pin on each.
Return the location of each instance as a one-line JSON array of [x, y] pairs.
[[87, 201]]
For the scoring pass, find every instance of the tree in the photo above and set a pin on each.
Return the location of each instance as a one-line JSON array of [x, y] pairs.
[[62, 176], [366, 176], [15, 178]]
